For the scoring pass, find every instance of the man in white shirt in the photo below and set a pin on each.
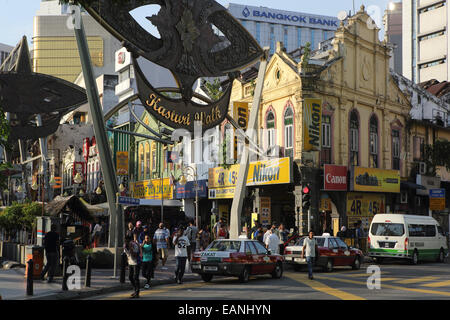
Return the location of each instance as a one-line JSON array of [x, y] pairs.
[[273, 242], [310, 246], [181, 243]]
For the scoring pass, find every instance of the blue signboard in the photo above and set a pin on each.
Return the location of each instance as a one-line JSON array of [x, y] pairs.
[[187, 191], [437, 193], [129, 201]]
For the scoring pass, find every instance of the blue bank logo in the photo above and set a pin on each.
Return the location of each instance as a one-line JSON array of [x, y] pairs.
[[246, 12]]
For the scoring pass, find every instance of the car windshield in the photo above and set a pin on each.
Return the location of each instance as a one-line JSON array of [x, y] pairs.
[[320, 241], [233, 246], [387, 229]]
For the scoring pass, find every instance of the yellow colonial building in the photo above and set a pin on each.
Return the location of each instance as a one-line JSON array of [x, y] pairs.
[[363, 121]]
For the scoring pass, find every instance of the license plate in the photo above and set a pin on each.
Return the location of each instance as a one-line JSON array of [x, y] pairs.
[[208, 268], [299, 259], [196, 266]]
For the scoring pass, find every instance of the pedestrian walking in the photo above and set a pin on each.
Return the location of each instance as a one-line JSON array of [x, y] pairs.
[[309, 250], [273, 242], [283, 235], [96, 233], [205, 238], [51, 245], [133, 252], [147, 260], [191, 233], [145, 232], [129, 232], [161, 241], [181, 243], [259, 234]]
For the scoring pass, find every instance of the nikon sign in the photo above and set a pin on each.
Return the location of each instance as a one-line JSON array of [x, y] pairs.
[[312, 124]]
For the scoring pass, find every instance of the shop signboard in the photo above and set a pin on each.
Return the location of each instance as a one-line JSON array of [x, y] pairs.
[[363, 206], [122, 163], [437, 199], [151, 189], [335, 177], [266, 172], [265, 216], [428, 182], [187, 191], [240, 115], [312, 124], [374, 180]]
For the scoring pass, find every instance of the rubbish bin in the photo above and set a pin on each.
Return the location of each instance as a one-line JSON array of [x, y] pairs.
[[37, 254]]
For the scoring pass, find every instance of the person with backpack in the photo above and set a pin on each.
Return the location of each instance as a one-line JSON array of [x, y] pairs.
[[191, 233], [133, 252]]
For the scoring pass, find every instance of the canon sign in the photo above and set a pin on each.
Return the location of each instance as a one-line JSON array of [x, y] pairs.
[[335, 178]]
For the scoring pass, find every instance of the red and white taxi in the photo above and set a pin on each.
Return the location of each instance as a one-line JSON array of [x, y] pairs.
[[332, 252], [240, 258]]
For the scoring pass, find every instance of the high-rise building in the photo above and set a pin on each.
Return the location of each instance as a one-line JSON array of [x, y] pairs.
[[425, 40], [392, 21], [55, 50], [269, 26], [4, 52]]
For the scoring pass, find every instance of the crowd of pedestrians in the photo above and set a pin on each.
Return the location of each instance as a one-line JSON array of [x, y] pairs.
[[144, 249]]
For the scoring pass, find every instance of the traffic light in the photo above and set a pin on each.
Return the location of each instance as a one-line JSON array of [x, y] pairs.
[[306, 197]]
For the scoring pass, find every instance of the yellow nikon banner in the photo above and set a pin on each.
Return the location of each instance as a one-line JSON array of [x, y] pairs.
[[312, 124], [142, 190], [122, 163], [267, 172], [374, 180]]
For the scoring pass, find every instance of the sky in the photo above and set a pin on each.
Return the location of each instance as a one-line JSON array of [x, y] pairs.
[[16, 16]]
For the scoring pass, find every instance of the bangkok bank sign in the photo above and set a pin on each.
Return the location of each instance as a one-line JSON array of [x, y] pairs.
[[335, 178], [286, 17]]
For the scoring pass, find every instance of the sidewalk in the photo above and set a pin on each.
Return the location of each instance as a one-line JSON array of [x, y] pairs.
[[13, 283]]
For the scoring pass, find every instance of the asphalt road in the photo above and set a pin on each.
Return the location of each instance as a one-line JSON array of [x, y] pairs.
[[398, 280]]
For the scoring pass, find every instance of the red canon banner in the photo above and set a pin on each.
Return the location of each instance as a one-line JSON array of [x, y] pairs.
[[335, 177]]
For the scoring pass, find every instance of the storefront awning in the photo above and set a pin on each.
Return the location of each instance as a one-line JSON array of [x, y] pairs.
[[157, 202], [411, 185], [97, 210]]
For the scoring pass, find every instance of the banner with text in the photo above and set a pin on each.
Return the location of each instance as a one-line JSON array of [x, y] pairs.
[[312, 124], [374, 180]]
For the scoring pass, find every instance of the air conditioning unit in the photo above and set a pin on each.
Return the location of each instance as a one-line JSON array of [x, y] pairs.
[[404, 197], [422, 168]]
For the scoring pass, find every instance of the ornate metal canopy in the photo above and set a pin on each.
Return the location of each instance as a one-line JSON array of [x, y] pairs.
[[199, 38], [25, 94]]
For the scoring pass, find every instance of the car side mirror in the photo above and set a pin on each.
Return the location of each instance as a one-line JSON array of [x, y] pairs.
[[269, 252]]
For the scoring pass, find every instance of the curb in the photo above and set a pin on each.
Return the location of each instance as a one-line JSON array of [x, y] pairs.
[[90, 292]]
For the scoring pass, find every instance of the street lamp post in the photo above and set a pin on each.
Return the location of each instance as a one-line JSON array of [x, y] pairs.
[[183, 181]]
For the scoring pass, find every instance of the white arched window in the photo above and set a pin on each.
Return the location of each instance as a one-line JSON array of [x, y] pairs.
[[270, 126], [289, 132]]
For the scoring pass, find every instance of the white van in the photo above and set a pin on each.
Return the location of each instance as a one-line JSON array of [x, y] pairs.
[[406, 236]]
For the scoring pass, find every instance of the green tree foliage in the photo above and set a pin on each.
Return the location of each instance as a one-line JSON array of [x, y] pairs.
[[214, 89], [20, 216], [438, 155]]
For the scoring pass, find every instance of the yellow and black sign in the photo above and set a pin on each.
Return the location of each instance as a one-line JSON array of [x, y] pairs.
[[240, 115], [374, 180], [151, 189], [312, 124]]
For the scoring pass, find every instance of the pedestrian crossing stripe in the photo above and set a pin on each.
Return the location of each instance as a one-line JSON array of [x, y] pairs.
[[437, 284], [416, 280], [363, 274], [319, 286], [442, 293]]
